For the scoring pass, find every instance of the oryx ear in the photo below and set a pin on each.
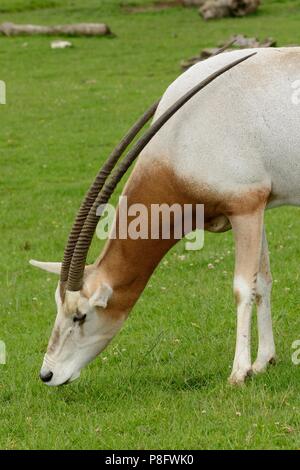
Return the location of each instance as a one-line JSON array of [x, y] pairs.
[[49, 267], [101, 297]]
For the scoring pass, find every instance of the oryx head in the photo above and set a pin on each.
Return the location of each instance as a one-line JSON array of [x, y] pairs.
[[84, 326]]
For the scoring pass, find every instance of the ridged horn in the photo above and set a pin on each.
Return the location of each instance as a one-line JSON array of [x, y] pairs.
[[97, 186]]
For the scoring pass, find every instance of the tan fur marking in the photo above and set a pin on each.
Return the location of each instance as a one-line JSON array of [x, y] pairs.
[[237, 296], [53, 340]]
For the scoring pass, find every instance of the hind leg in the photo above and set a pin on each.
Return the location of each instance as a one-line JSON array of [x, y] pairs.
[[248, 230], [266, 346]]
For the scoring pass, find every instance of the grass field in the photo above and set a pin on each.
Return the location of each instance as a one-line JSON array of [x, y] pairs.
[[163, 381]]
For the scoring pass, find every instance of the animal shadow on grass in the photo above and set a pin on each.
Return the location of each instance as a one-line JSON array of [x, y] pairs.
[[182, 384], [136, 384]]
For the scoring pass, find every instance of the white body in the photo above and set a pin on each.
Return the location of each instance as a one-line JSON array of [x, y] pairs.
[[239, 136], [241, 130]]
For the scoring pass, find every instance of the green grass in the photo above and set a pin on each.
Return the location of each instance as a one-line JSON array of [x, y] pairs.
[[163, 382]]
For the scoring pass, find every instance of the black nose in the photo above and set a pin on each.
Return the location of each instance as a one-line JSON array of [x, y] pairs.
[[46, 377]]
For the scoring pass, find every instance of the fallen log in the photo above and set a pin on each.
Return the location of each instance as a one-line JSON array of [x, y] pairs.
[[79, 29], [212, 9], [238, 41]]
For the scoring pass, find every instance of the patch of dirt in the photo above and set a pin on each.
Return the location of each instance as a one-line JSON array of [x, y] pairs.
[[157, 6]]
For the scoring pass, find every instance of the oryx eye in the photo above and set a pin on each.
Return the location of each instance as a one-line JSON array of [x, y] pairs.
[[79, 317]]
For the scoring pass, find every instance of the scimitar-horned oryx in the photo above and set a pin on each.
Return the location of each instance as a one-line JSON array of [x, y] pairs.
[[234, 147]]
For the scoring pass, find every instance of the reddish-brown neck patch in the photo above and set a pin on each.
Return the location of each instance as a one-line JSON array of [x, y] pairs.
[[127, 264]]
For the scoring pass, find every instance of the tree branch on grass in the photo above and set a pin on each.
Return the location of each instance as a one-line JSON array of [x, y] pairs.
[[79, 29]]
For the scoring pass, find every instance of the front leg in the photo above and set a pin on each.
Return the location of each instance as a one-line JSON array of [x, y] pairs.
[[247, 229]]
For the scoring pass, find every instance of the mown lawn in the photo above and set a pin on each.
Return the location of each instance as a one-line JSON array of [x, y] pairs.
[[163, 381]]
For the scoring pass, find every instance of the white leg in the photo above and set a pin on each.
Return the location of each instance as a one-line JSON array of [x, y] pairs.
[[247, 230], [266, 346]]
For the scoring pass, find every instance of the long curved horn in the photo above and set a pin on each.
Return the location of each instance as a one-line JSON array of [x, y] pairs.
[[97, 186], [80, 253]]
